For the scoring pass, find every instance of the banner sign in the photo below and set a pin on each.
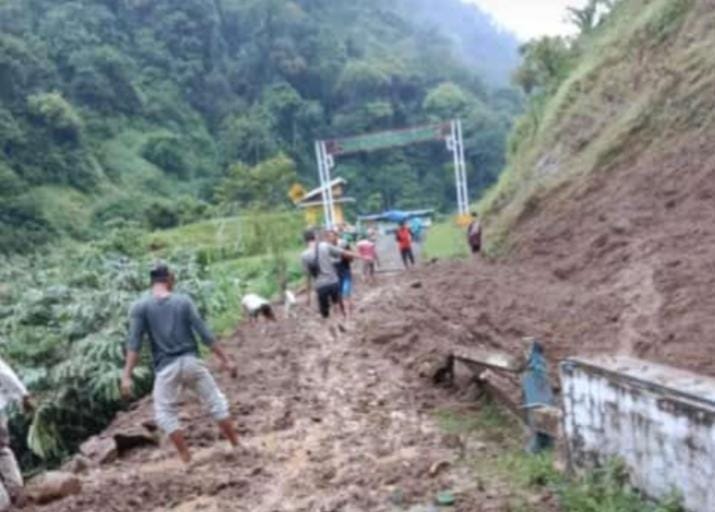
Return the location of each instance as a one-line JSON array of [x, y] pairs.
[[388, 139]]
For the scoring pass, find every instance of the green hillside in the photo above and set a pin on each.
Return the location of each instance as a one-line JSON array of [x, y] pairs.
[[135, 109], [636, 83]]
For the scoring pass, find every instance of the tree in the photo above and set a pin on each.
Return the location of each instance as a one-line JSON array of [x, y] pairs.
[[56, 114], [587, 18], [121, 88], [545, 63], [161, 214], [447, 101], [167, 152], [248, 137], [264, 185]]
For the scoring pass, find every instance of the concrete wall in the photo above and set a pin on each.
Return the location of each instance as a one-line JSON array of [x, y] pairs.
[[659, 420]]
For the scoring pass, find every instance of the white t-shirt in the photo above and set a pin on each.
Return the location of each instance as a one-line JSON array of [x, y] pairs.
[[11, 387], [252, 302]]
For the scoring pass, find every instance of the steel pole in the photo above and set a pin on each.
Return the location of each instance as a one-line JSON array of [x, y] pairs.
[[327, 165], [321, 173], [455, 155], [465, 193]]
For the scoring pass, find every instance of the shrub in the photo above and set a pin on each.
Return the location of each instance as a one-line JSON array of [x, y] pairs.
[[161, 214], [165, 151], [56, 114]]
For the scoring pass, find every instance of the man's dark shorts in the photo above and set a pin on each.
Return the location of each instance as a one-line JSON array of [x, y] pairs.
[[327, 295]]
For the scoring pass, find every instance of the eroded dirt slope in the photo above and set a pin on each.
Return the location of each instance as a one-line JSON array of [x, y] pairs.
[[622, 261]]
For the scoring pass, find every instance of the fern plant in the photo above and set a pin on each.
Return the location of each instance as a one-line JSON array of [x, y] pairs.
[[63, 323]]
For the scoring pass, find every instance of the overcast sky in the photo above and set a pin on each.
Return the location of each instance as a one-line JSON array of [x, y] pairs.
[[530, 18]]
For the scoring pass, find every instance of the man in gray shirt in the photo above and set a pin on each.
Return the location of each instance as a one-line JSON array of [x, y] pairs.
[[169, 320], [318, 261]]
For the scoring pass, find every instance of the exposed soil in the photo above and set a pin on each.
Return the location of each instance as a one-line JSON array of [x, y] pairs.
[[622, 260]]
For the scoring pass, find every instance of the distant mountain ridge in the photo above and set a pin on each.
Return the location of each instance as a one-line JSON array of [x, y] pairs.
[[490, 49], [135, 109]]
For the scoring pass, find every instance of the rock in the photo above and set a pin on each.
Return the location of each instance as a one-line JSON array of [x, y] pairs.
[[79, 464], [475, 446], [397, 497], [101, 451], [53, 485], [150, 425], [388, 333], [546, 419], [134, 438], [621, 227], [416, 284], [437, 467]]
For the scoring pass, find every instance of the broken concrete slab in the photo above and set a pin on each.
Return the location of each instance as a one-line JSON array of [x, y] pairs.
[[492, 359]]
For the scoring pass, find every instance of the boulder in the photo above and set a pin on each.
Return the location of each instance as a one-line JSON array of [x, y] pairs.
[[125, 440], [53, 485], [79, 464], [388, 332], [100, 450]]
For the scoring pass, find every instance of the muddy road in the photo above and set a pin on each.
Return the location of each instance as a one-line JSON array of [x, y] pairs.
[[331, 419]]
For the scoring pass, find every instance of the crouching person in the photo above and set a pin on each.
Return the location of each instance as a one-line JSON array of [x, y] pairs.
[[170, 321], [255, 306], [11, 484]]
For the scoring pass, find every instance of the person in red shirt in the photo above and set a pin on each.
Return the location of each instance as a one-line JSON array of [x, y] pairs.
[[404, 242]]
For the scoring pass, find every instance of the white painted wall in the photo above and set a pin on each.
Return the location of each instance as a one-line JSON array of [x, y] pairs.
[[660, 421]]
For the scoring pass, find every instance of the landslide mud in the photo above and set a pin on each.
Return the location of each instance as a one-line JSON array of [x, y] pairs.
[[329, 421]]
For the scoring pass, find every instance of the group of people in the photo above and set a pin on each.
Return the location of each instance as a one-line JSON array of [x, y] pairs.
[[327, 261], [170, 322]]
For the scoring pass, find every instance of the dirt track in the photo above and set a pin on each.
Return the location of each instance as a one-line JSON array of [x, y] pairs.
[[330, 421]]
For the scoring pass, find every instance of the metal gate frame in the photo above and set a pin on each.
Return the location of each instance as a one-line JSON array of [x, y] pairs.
[[454, 141]]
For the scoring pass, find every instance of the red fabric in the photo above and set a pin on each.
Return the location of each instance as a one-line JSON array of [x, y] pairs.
[[404, 238], [367, 250]]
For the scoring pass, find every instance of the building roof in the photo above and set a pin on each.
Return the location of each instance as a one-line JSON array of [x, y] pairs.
[[317, 193]]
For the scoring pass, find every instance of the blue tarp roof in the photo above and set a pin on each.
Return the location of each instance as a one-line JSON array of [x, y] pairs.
[[396, 215]]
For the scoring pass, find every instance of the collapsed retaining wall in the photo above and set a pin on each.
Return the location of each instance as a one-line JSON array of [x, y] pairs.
[[659, 420]]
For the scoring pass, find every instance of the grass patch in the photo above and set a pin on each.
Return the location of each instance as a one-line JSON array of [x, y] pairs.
[[445, 240], [504, 462], [67, 210], [214, 233]]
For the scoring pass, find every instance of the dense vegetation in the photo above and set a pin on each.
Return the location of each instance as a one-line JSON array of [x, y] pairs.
[[136, 109], [63, 315]]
